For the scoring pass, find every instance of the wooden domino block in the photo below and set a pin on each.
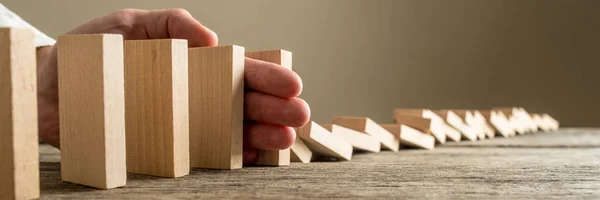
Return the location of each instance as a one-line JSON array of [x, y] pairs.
[[358, 140], [537, 119], [19, 156], [531, 126], [551, 123], [427, 126], [512, 113], [368, 126], [300, 152], [451, 133], [216, 82], [499, 122], [478, 118], [283, 58], [320, 141], [410, 137], [455, 121], [156, 107], [92, 110], [468, 119]]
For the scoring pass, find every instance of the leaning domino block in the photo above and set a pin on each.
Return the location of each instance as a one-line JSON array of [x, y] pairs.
[[92, 110], [283, 58], [368, 126], [156, 107], [478, 118], [451, 133], [410, 137], [320, 141], [527, 120], [512, 113], [19, 156], [358, 140], [499, 121], [469, 120], [551, 123], [427, 126], [300, 152], [216, 83], [455, 121]]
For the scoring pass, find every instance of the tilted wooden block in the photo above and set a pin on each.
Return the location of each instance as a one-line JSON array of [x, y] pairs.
[[478, 118], [156, 107], [551, 123], [283, 58], [300, 152], [537, 119], [427, 126], [499, 122], [455, 121], [358, 140], [216, 82], [410, 137], [92, 110], [514, 118], [451, 133], [525, 117], [468, 119], [19, 156], [368, 126], [320, 141]]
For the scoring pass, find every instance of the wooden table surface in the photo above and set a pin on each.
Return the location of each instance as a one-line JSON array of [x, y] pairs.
[[554, 165]]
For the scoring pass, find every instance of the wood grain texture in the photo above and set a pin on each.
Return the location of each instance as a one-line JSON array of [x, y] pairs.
[[156, 107], [467, 132], [19, 155], [439, 123], [92, 110], [410, 137], [368, 126], [283, 58], [216, 77], [300, 152], [428, 126], [358, 140], [322, 142]]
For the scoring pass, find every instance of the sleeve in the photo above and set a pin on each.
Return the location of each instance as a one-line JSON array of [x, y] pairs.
[[10, 19]]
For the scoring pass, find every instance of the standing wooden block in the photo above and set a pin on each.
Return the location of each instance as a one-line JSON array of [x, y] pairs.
[[92, 110], [320, 141], [300, 152], [427, 126], [368, 126], [283, 58], [216, 82], [451, 133], [156, 107], [358, 140], [454, 120], [478, 118], [410, 137], [19, 156]]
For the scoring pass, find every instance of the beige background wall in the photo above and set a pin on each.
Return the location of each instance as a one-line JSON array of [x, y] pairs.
[[366, 57]]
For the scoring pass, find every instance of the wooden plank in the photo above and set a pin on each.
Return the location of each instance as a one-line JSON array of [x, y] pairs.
[[320, 141], [427, 126], [358, 140], [411, 137], [451, 133], [368, 126], [156, 107], [216, 76], [19, 156], [455, 121], [283, 58], [92, 110], [300, 152]]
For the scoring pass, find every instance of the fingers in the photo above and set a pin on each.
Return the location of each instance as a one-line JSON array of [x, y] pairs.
[[274, 110], [271, 79], [250, 155], [268, 137]]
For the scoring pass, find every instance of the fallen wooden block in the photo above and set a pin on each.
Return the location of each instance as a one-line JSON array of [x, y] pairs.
[[514, 118], [537, 119], [455, 121], [19, 155], [216, 82], [358, 140], [478, 118], [499, 122], [92, 110], [468, 118], [427, 126], [450, 132], [300, 152], [517, 125], [525, 117], [320, 141], [410, 137], [156, 107], [552, 124], [283, 58], [368, 126]]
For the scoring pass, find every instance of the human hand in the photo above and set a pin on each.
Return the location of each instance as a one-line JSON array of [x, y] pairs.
[[271, 106]]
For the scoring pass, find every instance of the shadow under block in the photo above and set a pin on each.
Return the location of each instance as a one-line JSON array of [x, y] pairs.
[[19, 155], [92, 110], [216, 76], [156, 107], [368, 126], [358, 140], [300, 152], [451, 133], [410, 136], [427, 126], [322, 142], [455, 121], [283, 58]]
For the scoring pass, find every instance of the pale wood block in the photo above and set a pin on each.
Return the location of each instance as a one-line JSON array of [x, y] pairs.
[[469, 120], [368, 126], [156, 107], [517, 124], [19, 155], [527, 120], [300, 152], [515, 119], [320, 141], [541, 122], [92, 110], [427, 126], [481, 120], [552, 123], [410, 136], [358, 140], [283, 58], [455, 121], [451, 133], [499, 122], [216, 82]]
